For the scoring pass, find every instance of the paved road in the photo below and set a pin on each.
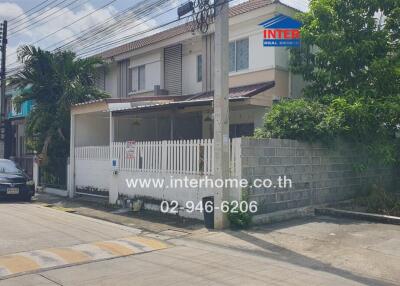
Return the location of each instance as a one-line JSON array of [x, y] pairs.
[[318, 251]]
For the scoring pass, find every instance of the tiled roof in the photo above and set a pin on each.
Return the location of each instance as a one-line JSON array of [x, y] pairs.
[[181, 29], [235, 93]]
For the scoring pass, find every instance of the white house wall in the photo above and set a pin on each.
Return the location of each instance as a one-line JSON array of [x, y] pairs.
[[96, 174], [281, 57], [182, 195], [92, 129], [247, 116], [190, 52], [297, 84], [260, 57], [111, 79]]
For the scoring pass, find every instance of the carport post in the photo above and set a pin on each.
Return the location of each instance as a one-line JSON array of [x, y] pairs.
[[113, 187], [71, 190]]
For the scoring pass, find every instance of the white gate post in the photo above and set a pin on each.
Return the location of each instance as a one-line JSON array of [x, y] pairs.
[[35, 172]]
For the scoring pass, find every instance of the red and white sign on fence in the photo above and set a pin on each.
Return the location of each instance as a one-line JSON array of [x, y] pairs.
[[130, 150]]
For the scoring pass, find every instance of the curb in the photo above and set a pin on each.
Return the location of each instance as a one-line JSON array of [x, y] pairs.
[[358, 215], [280, 216]]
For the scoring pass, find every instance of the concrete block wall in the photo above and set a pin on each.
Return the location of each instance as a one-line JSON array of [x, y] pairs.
[[319, 174]]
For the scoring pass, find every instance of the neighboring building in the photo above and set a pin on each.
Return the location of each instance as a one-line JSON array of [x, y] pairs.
[[161, 88], [15, 147]]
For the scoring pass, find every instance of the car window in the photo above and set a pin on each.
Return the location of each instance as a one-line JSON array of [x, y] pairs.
[[9, 167]]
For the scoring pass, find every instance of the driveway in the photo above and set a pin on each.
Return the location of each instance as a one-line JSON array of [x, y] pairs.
[[315, 251]]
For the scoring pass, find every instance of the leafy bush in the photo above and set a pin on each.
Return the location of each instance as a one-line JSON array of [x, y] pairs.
[[368, 124], [378, 200], [294, 119], [240, 219]]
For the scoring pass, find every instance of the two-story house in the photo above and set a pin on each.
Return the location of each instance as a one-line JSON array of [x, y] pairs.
[[161, 88]]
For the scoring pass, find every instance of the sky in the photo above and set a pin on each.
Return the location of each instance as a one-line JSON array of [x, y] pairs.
[[45, 26]]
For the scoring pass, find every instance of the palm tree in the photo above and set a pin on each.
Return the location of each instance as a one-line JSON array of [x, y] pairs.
[[56, 80]]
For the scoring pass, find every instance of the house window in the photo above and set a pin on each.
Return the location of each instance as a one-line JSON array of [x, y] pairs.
[[239, 55], [137, 78], [142, 78], [199, 68]]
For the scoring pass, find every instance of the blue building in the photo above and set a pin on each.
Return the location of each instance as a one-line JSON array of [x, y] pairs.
[[15, 140]]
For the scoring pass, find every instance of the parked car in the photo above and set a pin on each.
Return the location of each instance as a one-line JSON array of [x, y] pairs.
[[14, 182]]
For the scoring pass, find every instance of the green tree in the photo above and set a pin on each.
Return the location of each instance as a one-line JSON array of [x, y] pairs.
[[56, 80], [350, 59], [349, 48]]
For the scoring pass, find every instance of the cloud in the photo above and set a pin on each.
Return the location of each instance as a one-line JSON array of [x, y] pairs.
[[10, 10], [51, 20]]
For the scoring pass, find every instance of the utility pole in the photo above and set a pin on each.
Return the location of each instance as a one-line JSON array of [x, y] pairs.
[[3, 69], [221, 107]]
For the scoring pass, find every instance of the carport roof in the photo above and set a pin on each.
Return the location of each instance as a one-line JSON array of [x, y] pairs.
[[235, 94], [201, 98]]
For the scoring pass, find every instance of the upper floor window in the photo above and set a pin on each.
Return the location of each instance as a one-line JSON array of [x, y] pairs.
[[239, 55], [199, 68], [137, 78]]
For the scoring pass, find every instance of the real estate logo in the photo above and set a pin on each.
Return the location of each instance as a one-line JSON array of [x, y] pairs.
[[281, 31]]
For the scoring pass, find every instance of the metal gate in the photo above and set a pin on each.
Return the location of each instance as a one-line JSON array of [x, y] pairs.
[[54, 175]]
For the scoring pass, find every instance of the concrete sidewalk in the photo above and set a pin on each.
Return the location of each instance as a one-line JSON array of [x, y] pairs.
[[146, 221]]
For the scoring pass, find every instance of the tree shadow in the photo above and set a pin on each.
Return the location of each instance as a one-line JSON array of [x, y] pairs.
[[279, 253]]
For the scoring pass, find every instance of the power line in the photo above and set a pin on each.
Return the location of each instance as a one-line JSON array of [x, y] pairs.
[[128, 38], [88, 30], [120, 15], [121, 40], [32, 12], [34, 7], [105, 45], [119, 27], [49, 35], [87, 15], [159, 14], [44, 16]]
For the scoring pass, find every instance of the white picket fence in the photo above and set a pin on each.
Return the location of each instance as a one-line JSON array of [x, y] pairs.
[[176, 157], [92, 153]]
